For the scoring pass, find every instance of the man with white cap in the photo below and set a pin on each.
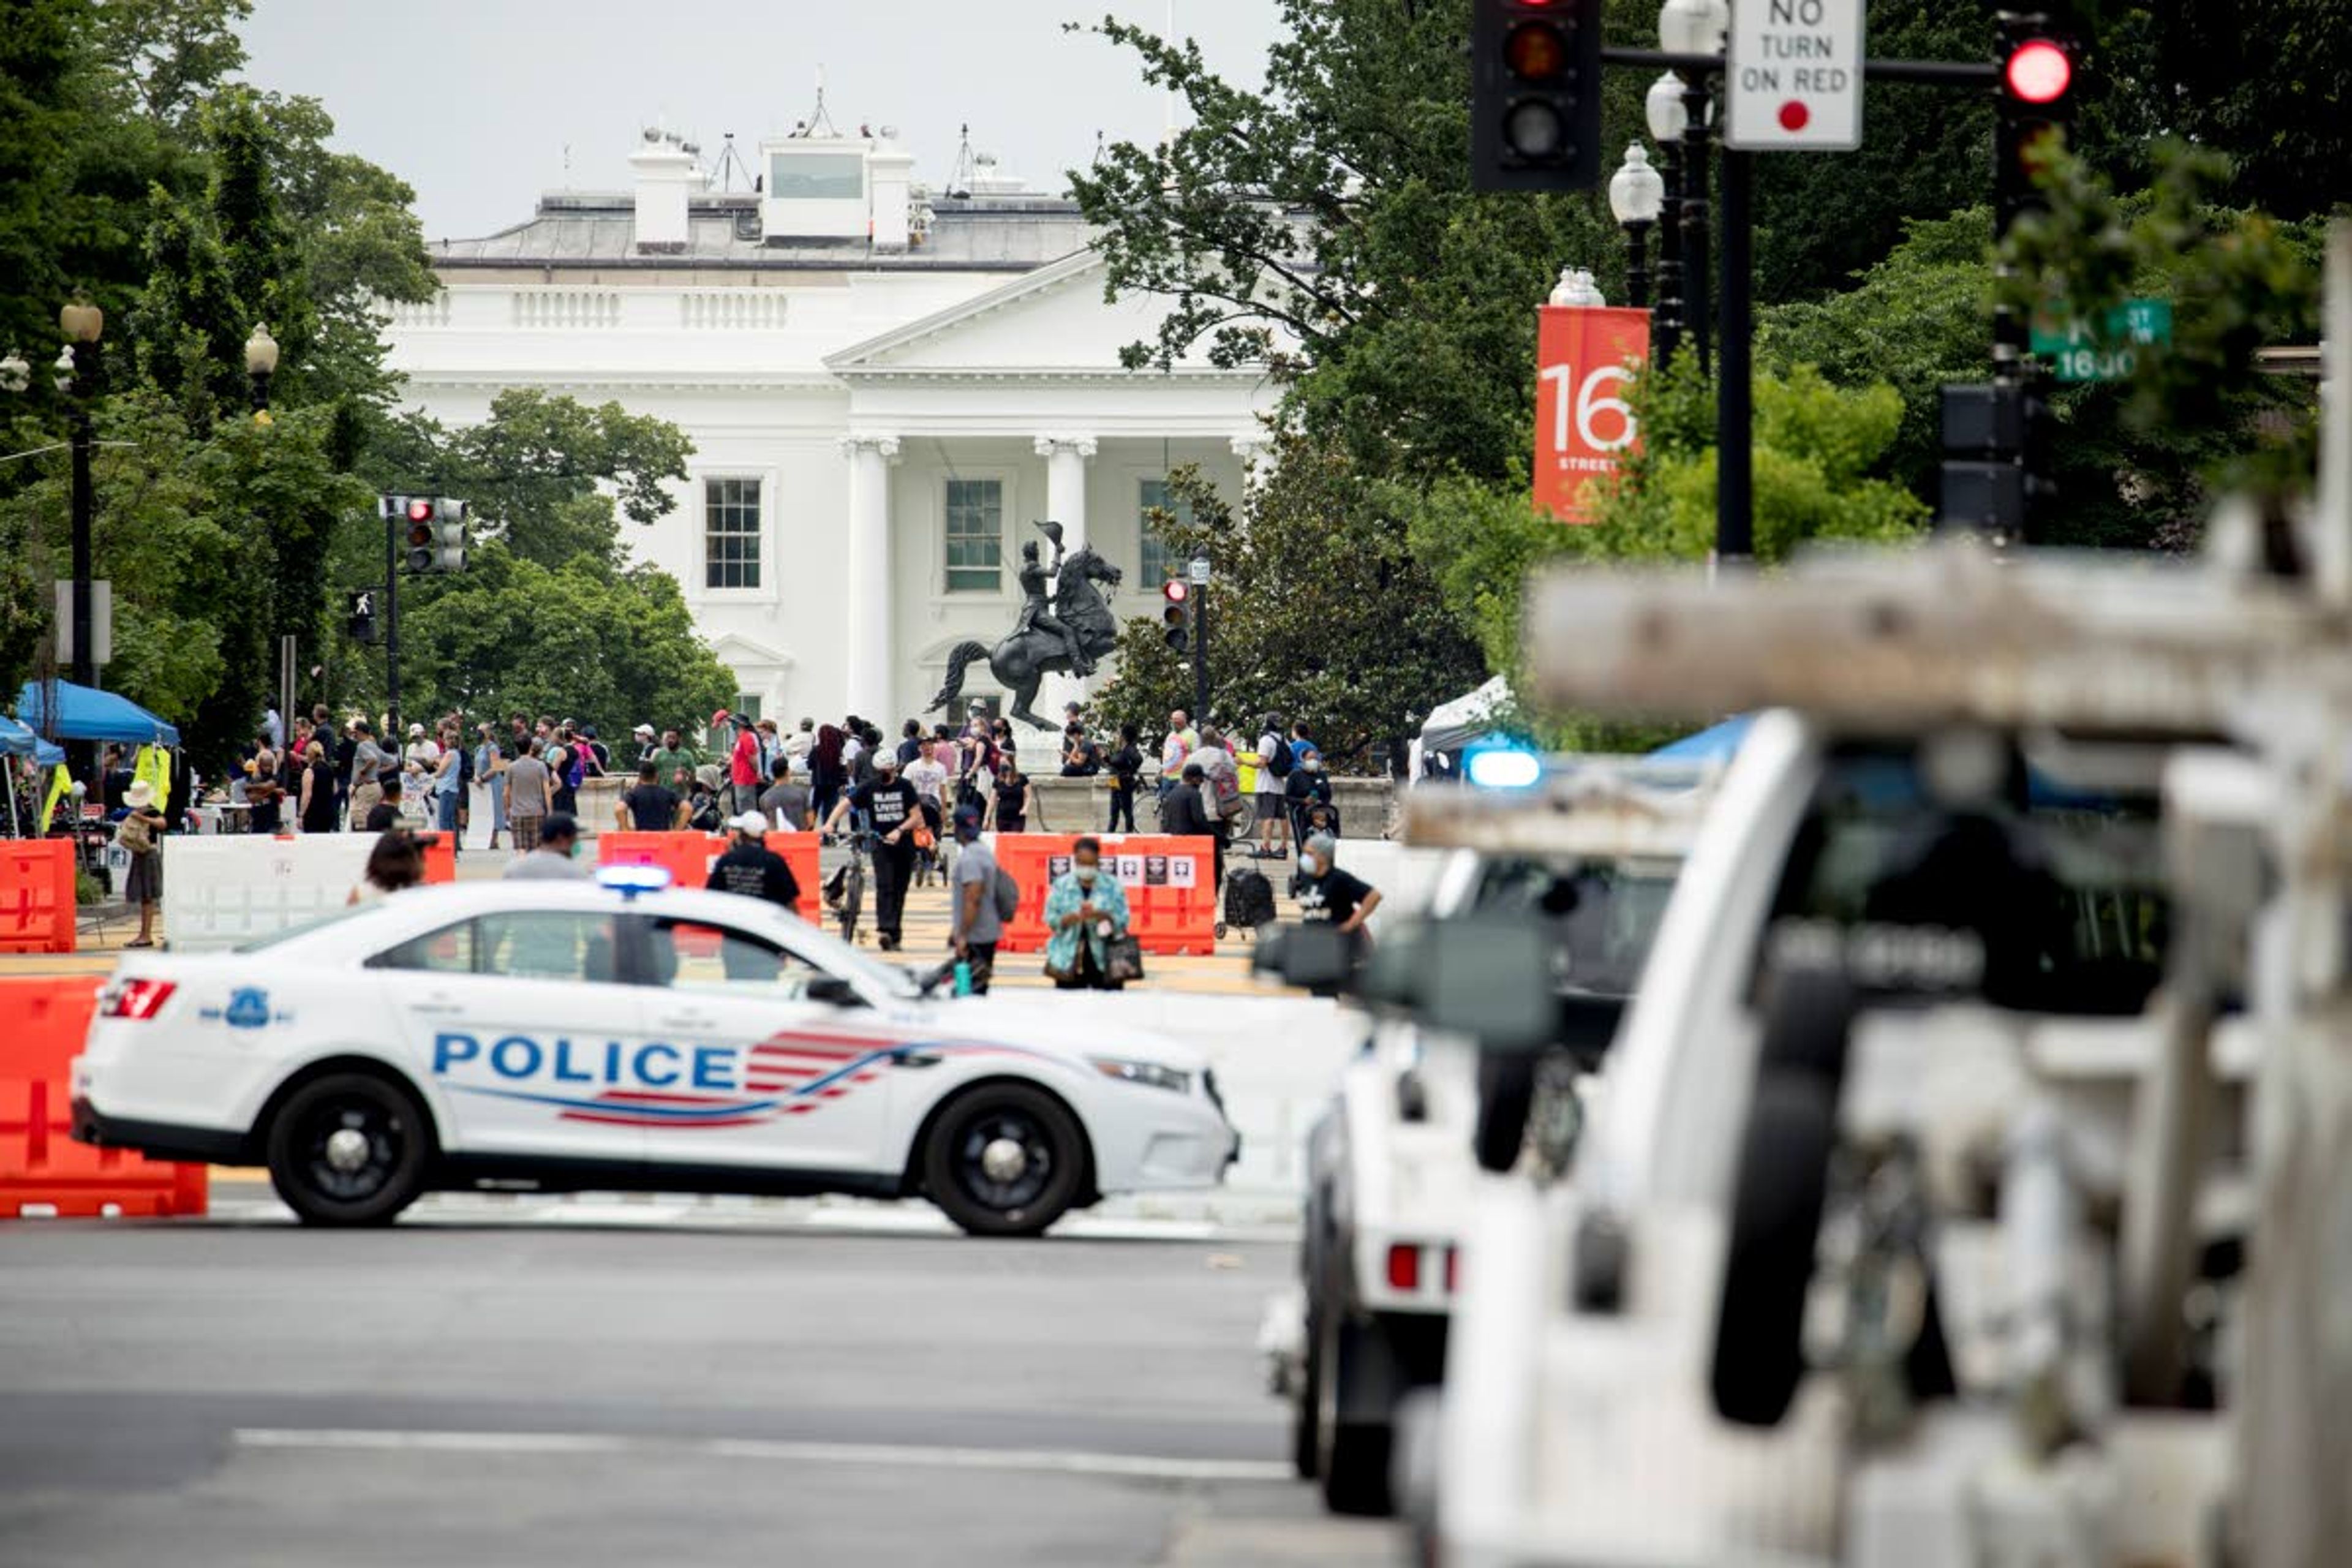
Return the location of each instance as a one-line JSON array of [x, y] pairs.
[[749, 868], [643, 735]]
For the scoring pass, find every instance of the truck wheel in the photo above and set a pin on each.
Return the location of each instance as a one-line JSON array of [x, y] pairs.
[[1306, 1403], [1354, 1459], [1005, 1159], [349, 1149], [1506, 1091], [1776, 1219]]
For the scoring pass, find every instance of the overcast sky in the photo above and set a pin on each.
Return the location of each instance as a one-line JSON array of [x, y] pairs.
[[482, 104]]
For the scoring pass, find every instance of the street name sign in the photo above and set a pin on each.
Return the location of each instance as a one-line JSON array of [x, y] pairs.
[[1794, 73], [2076, 351]]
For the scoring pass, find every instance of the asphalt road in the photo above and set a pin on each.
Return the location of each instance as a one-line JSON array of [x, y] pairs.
[[257, 1393]]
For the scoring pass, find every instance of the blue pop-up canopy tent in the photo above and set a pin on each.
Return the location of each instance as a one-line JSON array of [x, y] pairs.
[[86, 713], [1716, 744], [15, 741]]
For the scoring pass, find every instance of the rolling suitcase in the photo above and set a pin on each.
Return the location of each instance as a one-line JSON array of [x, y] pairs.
[[1249, 901]]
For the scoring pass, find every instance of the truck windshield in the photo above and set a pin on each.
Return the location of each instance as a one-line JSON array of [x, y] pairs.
[[1602, 914], [2038, 896]]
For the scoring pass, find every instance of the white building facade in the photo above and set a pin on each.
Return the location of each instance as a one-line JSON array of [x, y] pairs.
[[884, 391]]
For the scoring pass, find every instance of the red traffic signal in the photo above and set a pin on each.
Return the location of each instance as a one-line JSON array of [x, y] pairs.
[[1176, 590], [2038, 71], [420, 511]]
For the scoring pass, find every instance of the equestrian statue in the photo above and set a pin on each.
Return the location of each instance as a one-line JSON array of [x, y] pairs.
[[1064, 627]]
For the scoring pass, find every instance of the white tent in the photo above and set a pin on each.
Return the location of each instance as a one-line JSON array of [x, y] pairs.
[[1454, 725]]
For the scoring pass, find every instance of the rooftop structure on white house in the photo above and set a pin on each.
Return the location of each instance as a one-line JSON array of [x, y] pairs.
[[885, 385]]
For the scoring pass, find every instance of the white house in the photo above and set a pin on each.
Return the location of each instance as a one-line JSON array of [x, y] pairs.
[[884, 388]]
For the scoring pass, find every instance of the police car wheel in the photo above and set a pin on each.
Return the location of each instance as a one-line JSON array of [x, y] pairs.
[[1005, 1159], [349, 1149]]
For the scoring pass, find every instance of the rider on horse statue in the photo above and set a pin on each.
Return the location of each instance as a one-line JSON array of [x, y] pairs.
[[1036, 610]]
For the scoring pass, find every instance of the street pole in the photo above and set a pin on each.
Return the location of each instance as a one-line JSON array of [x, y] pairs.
[[1199, 652], [1637, 265], [1666, 324], [84, 664], [391, 620], [1735, 527]]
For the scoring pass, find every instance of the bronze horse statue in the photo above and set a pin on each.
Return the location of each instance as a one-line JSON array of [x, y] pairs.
[[1027, 654]]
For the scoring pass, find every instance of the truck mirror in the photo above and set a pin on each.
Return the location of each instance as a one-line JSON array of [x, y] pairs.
[[1481, 976], [1312, 956]]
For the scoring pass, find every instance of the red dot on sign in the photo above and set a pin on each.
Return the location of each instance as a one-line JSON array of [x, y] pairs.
[[1793, 115]]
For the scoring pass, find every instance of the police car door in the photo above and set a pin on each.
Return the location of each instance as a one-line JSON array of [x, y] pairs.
[[521, 1019], [778, 1078]]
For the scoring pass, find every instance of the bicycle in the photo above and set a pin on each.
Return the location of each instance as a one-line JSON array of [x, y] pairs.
[[850, 905]]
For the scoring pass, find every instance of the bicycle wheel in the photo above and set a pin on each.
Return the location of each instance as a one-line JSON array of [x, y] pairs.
[[853, 900], [1239, 824]]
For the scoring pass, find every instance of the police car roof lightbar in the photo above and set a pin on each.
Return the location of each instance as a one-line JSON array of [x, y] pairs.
[[631, 881]]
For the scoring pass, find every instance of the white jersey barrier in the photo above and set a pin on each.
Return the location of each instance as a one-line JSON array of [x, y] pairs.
[[219, 892]]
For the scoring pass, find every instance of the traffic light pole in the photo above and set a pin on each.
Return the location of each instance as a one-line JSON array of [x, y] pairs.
[[1199, 652], [1735, 444], [392, 521]]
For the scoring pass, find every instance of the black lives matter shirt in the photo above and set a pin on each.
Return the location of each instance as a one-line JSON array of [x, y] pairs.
[[886, 806]]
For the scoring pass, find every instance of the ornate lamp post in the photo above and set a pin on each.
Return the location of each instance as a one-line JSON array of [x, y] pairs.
[[1695, 28], [1662, 108], [260, 364], [1636, 193]]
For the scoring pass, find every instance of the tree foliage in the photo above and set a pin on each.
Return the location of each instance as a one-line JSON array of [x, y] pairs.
[[1318, 609]]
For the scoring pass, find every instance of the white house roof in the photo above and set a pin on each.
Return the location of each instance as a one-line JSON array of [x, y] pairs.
[[588, 228]]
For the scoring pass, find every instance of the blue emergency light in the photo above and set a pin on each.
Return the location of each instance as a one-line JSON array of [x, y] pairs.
[[631, 881]]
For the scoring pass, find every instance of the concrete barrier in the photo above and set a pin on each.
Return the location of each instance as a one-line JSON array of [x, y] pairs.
[[221, 892]]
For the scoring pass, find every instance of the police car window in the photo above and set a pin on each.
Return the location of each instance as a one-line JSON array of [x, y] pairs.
[[2037, 897], [448, 951], [547, 945], [690, 956]]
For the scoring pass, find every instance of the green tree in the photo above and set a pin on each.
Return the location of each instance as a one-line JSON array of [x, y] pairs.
[[1319, 610]]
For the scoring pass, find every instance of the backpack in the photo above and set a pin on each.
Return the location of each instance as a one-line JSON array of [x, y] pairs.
[[575, 765], [706, 816], [1008, 895], [1278, 762]]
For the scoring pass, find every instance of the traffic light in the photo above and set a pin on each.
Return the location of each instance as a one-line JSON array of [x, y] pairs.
[[360, 622], [434, 536], [1175, 617], [1997, 458], [1535, 95], [2036, 105]]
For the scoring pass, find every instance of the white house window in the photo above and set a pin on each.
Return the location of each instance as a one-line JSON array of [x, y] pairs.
[[730, 533], [816, 176], [975, 536], [1152, 569]]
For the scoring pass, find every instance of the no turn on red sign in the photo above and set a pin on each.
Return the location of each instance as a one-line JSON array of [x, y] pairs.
[[1795, 74]]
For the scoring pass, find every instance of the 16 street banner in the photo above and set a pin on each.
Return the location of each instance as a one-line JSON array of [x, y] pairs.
[[1584, 356]]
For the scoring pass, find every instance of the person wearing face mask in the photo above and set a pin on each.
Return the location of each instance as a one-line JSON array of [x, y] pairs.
[[1307, 787], [1086, 912], [976, 926], [1327, 894]]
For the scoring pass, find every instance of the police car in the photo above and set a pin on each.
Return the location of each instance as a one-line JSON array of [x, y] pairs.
[[583, 1036]]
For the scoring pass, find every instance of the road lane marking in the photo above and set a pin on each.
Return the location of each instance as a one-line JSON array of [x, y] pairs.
[[1131, 1466]]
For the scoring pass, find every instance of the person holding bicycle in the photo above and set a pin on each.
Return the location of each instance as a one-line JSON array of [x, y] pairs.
[[892, 810]]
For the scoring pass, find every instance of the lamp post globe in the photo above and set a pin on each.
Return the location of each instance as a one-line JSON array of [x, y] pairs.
[[1636, 191], [82, 322], [1694, 27], [1662, 107], [261, 352], [16, 373]]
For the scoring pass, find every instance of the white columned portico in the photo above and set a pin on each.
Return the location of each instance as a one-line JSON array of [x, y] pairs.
[[870, 647], [1065, 502]]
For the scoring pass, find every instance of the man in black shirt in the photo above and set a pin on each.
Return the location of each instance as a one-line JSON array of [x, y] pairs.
[[1081, 758], [751, 869], [649, 808], [891, 807], [1186, 812], [1328, 893]]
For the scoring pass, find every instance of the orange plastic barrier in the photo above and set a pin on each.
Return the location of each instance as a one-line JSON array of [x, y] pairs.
[[440, 857], [800, 852], [37, 895], [686, 855], [1171, 887], [40, 1165]]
